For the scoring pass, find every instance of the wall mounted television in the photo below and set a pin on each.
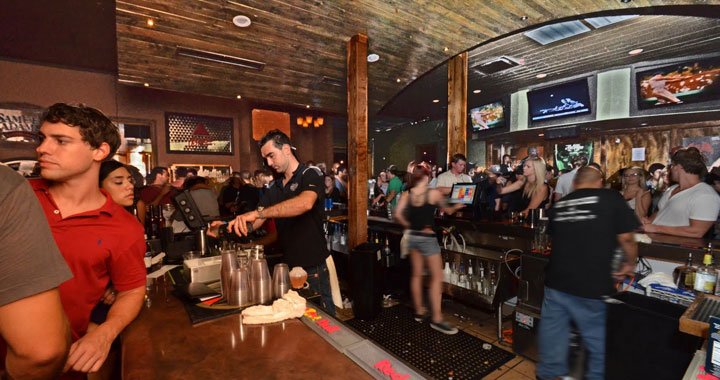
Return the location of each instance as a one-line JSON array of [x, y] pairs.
[[488, 116], [685, 82], [566, 99]]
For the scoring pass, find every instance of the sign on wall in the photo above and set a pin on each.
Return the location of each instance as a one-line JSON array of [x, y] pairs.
[[566, 153], [198, 134], [709, 146], [19, 123]]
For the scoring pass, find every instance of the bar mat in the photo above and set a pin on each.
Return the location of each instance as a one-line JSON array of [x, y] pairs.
[[708, 307], [198, 311], [439, 356]]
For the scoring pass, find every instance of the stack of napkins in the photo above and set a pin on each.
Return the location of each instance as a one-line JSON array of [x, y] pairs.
[[290, 306]]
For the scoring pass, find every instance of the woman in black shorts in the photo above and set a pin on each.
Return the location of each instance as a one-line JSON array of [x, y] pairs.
[[416, 211]]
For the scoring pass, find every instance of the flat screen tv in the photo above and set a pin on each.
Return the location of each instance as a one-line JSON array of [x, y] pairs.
[[566, 153], [567, 99], [691, 81], [488, 116]]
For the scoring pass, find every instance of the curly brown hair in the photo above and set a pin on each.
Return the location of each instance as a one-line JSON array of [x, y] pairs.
[[95, 127], [691, 160]]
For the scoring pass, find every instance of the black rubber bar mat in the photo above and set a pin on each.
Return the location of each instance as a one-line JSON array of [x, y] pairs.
[[440, 356]]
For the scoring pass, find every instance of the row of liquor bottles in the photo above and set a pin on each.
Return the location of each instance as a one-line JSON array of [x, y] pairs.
[[336, 236], [479, 276], [703, 278]]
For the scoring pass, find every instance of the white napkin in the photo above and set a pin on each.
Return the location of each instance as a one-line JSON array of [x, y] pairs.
[[658, 278]]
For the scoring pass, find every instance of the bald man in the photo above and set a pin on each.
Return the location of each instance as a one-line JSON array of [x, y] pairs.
[[587, 226]]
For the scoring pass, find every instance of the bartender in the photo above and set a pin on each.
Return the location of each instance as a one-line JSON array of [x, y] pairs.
[[295, 201], [690, 207]]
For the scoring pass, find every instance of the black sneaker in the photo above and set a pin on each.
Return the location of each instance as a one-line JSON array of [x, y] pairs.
[[420, 318], [444, 327]]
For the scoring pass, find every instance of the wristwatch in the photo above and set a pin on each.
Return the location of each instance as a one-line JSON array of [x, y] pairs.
[[259, 211]]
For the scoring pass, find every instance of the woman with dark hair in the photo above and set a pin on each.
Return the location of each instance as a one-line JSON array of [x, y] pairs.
[[331, 192], [416, 212], [117, 180]]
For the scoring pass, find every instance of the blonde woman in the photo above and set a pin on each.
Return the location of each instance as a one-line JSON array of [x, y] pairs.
[[634, 192], [535, 192]]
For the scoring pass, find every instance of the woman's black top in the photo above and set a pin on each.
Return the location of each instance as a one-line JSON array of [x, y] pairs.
[[334, 195], [421, 217], [525, 201]]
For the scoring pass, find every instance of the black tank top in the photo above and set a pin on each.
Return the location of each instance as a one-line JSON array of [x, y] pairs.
[[525, 201], [421, 217]]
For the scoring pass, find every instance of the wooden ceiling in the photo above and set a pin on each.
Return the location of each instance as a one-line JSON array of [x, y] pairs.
[[303, 41]]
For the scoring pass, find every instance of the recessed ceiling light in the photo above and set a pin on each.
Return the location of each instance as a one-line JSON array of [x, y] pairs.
[[523, 18], [373, 58], [541, 134], [476, 91], [446, 48], [307, 106], [397, 80], [635, 51], [146, 84], [436, 100], [150, 22], [242, 21], [541, 75], [625, 1], [239, 96]]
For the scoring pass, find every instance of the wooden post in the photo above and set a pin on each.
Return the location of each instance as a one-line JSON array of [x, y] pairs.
[[357, 87], [457, 105]]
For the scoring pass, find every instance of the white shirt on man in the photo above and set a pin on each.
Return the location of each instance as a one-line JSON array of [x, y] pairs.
[[448, 179], [565, 183], [699, 202]]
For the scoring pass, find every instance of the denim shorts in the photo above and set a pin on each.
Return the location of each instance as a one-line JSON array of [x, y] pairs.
[[425, 243]]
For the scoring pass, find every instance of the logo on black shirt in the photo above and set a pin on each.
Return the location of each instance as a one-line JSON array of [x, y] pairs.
[[293, 186]]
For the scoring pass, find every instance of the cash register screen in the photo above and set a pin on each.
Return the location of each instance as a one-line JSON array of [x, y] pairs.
[[463, 193]]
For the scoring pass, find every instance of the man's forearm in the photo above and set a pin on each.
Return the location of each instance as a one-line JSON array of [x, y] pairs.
[[123, 311], [685, 231], [292, 207]]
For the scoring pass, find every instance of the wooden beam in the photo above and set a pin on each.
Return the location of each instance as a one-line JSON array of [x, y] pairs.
[[457, 105], [357, 98]]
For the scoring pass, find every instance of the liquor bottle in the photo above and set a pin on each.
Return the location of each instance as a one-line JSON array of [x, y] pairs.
[[377, 238], [481, 288], [493, 281], [471, 277], [462, 278], [684, 275], [161, 218], [454, 274], [706, 276], [387, 253], [447, 273], [154, 224]]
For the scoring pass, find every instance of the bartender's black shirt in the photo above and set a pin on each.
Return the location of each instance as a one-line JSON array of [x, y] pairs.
[[584, 227], [301, 237]]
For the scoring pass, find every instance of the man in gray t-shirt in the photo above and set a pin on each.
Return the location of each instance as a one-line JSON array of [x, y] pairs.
[[31, 268]]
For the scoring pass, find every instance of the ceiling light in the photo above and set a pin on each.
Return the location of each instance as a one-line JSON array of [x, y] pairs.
[[541, 134], [625, 1], [523, 18], [635, 51], [397, 80], [242, 21], [476, 91], [446, 48], [307, 106], [239, 96], [146, 84], [150, 22], [373, 58], [388, 129], [436, 100], [541, 76]]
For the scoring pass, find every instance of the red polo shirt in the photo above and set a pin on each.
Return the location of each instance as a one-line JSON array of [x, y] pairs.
[[98, 246]]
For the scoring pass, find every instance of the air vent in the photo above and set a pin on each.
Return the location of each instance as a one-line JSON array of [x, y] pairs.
[[556, 32], [496, 65], [599, 22], [332, 81], [219, 58], [562, 132]]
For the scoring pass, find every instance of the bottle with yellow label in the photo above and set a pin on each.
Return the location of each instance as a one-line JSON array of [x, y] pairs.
[[706, 276]]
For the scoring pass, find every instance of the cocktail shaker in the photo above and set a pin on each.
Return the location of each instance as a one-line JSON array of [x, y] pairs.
[[240, 291], [280, 280], [228, 265], [260, 282]]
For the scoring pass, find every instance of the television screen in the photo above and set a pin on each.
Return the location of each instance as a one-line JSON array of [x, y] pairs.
[[491, 115], [463, 193], [566, 99], [687, 82], [566, 153]]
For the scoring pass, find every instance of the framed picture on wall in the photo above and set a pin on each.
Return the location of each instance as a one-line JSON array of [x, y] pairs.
[[565, 153], [709, 146], [198, 134], [217, 174]]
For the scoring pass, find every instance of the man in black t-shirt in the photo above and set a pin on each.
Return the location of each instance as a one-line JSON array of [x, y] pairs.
[[586, 226], [295, 201]]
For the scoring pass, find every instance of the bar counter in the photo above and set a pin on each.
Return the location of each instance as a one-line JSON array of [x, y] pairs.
[[162, 344]]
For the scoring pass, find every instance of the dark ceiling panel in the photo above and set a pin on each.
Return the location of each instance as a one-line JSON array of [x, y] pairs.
[[76, 34]]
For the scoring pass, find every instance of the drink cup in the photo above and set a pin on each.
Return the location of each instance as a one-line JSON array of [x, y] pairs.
[[298, 278]]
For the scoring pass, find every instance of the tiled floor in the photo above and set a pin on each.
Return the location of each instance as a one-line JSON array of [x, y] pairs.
[[483, 326]]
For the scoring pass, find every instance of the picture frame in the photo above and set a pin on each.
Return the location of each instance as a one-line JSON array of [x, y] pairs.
[[199, 134]]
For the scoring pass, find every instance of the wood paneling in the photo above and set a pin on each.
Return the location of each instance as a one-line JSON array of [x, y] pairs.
[[301, 41], [357, 109], [457, 105], [618, 148]]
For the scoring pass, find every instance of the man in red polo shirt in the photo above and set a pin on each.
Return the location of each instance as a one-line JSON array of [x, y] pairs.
[[99, 240]]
